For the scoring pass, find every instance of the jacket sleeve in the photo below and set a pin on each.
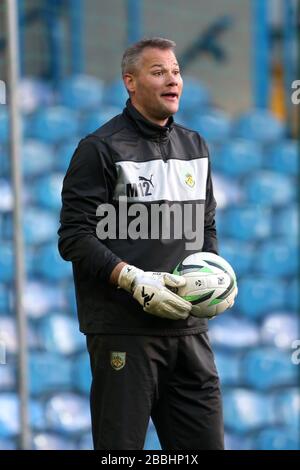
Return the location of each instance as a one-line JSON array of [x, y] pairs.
[[89, 182], [210, 233]]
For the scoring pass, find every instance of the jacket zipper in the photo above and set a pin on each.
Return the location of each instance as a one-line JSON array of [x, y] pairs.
[[164, 157]]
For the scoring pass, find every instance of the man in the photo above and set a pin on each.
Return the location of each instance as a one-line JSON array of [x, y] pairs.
[[149, 356]]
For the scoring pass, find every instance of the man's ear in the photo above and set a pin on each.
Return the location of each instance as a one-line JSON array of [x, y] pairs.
[[129, 82]]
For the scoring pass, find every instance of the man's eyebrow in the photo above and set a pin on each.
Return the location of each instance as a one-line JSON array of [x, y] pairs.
[[161, 65]]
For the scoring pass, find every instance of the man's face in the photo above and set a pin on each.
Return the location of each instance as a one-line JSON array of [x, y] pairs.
[[155, 85]]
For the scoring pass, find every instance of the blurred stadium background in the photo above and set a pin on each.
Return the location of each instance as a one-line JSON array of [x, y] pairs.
[[239, 60]]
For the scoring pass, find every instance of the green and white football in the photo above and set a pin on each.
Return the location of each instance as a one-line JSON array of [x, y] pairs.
[[211, 284]]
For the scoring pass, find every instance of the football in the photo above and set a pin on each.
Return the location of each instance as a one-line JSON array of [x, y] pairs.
[[211, 284]]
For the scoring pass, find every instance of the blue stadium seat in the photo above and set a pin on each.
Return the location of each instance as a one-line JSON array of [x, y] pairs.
[[228, 366], [52, 441], [40, 298], [247, 410], [260, 125], [35, 93], [46, 191], [82, 92], [230, 331], [65, 152], [280, 329], [3, 124], [85, 442], [8, 444], [237, 442], [6, 262], [227, 192], [213, 124], [268, 188], [115, 94], [59, 333], [195, 97], [53, 124], [283, 157], [259, 295], [287, 403], [5, 298], [247, 222], [37, 158], [7, 371], [292, 296], [238, 157], [4, 162], [49, 372], [277, 438], [6, 196], [68, 413], [151, 441], [96, 119], [238, 253], [9, 416], [286, 223], [8, 329], [50, 265], [82, 376], [277, 258], [266, 367]]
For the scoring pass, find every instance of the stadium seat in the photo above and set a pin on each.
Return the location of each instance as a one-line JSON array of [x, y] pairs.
[[246, 410], [283, 157], [8, 444], [268, 188], [238, 253], [46, 191], [4, 162], [195, 97], [280, 329], [6, 196], [228, 365], [276, 438], [85, 442], [96, 119], [7, 262], [286, 223], [9, 415], [292, 296], [37, 158], [35, 93], [267, 367], [3, 124], [230, 331], [50, 265], [64, 153], [247, 222], [52, 441], [60, 334], [8, 373], [5, 298], [53, 124], [287, 403], [237, 442], [8, 335], [226, 192], [49, 372], [68, 413], [277, 258], [40, 298], [82, 376], [238, 157], [115, 94], [260, 125], [81, 92], [259, 295], [213, 125]]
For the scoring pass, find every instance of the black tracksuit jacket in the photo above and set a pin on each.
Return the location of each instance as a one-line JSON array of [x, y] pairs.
[[146, 163]]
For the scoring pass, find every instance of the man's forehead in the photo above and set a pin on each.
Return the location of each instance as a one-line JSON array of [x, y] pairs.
[[152, 56]]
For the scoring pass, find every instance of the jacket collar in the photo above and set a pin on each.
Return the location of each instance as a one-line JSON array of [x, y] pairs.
[[147, 128]]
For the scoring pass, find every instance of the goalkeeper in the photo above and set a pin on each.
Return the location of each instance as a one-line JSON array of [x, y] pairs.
[[149, 356]]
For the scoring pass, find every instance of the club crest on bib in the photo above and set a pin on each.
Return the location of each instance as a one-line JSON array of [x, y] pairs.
[[189, 180], [117, 360]]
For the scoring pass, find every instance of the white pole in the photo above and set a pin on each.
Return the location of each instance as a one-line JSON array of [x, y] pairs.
[[15, 153]]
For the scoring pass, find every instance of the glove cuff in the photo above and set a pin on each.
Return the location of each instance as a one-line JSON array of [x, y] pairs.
[[127, 276]]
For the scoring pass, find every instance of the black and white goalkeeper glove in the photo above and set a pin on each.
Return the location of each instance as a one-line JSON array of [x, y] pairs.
[[150, 289]]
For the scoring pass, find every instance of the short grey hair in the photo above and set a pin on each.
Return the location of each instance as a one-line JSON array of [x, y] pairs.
[[132, 54]]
